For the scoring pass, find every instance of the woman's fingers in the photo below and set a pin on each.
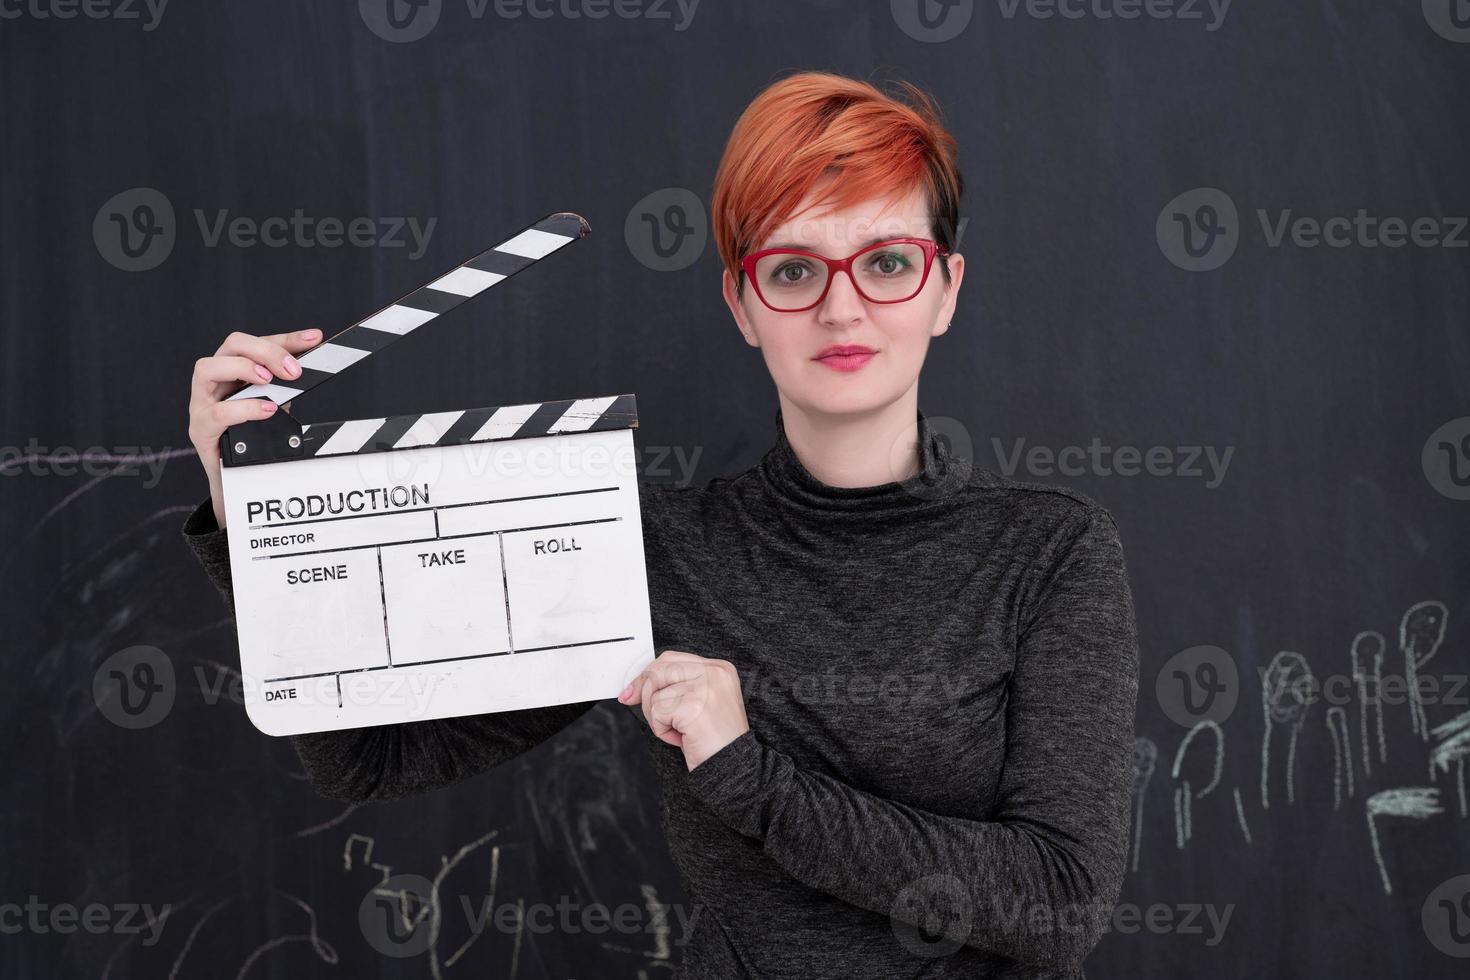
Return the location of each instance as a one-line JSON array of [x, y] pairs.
[[230, 367], [691, 702], [647, 687], [661, 687], [671, 706], [660, 703], [659, 677], [297, 341], [247, 358], [208, 421], [205, 412], [668, 655], [658, 664], [274, 352], [225, 414]]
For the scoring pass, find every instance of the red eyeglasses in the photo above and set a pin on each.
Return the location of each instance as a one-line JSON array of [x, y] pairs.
[[790, 280]]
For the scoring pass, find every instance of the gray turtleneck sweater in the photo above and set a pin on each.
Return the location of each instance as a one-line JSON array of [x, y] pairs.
[[940, 679]]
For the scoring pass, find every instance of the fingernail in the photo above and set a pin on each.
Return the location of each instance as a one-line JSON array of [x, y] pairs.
[[310, 334], [262, 373], [292, 368], [267, 406], [625, 691]]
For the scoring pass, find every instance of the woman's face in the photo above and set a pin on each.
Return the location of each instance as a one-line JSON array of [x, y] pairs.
[[897, 333]]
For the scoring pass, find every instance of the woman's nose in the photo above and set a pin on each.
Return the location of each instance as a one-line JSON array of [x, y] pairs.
[[843, 303]]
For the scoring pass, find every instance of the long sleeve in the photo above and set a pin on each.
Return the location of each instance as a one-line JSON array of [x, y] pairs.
[[1038, 875], [386, 762]]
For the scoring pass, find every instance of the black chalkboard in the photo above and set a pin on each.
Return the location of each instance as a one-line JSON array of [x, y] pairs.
[[1217, 281]]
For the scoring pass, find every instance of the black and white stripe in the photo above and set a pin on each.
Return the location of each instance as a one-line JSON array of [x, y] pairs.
[[412, 311], [469, 426]]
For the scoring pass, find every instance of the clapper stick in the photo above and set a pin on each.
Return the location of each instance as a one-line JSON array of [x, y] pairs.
[[280, 437], [430, 301]]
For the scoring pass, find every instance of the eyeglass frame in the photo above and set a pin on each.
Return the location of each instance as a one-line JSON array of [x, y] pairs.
[[930, 246]]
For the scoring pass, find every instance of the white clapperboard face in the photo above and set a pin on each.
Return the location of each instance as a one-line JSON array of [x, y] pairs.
[[428, 566]]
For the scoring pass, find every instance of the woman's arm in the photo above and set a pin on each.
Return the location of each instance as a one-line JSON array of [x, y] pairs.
[[1038, 875], [390, 761]]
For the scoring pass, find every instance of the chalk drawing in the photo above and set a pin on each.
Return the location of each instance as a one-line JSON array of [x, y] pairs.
[[1342, 754], [430, 905], [1411, 802], [1145, 758], [1453, 746], [1240, 815], [1368, 647], [1184, 793], [320, 946], [1286, 695], [194, 934], [1421, 631]]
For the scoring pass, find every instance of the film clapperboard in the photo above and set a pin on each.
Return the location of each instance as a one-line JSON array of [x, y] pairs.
[[430, 566]]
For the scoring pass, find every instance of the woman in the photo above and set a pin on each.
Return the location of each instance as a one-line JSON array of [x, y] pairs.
[[893, 711]]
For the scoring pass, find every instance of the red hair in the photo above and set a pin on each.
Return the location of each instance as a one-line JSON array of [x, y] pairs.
[[817, 124]]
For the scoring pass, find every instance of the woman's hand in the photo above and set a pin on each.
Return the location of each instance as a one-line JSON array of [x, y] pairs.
[[690, 701], [242, 357]]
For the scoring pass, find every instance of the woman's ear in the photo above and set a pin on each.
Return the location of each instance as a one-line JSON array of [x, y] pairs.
[[737, 308], [952, 294]]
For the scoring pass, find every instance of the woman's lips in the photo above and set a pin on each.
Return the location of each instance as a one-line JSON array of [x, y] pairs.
[[846, 362]]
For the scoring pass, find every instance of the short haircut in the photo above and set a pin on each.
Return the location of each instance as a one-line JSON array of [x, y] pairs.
[[816, 124]]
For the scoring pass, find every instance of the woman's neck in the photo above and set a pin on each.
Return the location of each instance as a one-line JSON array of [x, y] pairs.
[[867, 490], [857, 450]]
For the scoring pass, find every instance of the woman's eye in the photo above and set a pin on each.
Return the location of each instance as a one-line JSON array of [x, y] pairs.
[[791, 272], [889, 263]]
